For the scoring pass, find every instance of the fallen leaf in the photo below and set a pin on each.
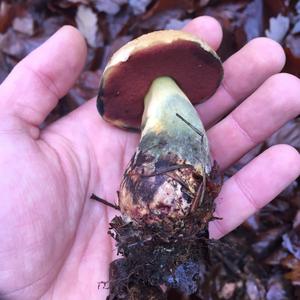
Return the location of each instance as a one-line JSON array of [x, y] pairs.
[[116, 24], [293, 264], [278, 289], [6, 15], [85, 88], [227, 290], [24, 25], [164, 5], [114, 46], [86, 21], [203, 3], [5, 68], [160, 20], [86, 2], [296, 222], [10, 44], [278, 28], [291, 242], [297, 7], [276, 257], [253, 290], [231, 19], [296, 28], [139, 6], [66, 4], [253, 19], [177, 24], [275, 7], [267, 241], [292, 54], [110, 7]]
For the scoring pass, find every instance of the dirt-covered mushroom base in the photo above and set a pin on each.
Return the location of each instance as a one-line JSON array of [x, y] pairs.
[[178, 257]]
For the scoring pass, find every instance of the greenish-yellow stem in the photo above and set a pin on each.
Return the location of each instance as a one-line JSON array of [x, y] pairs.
[[171, 124]]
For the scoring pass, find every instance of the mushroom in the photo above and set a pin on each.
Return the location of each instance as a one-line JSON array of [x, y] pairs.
[[151, 84]]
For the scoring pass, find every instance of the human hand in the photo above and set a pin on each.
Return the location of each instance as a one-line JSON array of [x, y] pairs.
[[54, 241]]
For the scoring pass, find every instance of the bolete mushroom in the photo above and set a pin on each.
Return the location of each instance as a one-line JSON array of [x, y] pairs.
[[167, 191], [151, 84]]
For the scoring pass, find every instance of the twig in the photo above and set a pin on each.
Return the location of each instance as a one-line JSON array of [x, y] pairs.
[[199, 194], [190, 125], [94, 197], [168, 169]]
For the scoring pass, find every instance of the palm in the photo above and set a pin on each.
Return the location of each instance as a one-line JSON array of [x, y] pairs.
[[54, 238], [70, 167]]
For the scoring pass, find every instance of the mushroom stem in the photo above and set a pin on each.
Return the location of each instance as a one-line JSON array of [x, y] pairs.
[[172, 159], [171, 118]]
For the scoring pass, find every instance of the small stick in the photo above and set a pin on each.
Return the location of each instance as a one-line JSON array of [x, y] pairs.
[[190, 125], [199, 194], [168, 169], [94, 197]]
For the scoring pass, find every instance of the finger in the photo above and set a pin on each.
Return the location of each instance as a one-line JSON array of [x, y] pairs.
[[254, 186], [265, 111], [35, 85], [244, 72], [207, 28]]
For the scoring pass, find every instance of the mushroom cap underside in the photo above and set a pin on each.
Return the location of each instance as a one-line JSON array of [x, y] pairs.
[[189, 61]]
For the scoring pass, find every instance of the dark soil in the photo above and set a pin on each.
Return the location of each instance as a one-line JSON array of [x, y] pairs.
[[160, 259]]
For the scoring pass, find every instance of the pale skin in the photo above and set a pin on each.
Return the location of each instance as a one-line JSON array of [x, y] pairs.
[[54, 242]]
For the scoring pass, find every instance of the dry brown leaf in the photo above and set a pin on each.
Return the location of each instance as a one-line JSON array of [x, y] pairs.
[[86, 21], [139, 6], [110, 7], [278, 28], [24, 25], [177, 24], [86, 2], [164, 5], [6, 16]]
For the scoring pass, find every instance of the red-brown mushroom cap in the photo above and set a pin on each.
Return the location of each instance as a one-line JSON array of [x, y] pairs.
[[189, 61]]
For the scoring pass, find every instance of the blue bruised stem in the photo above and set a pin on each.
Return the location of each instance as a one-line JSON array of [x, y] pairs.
[[169, 169]]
